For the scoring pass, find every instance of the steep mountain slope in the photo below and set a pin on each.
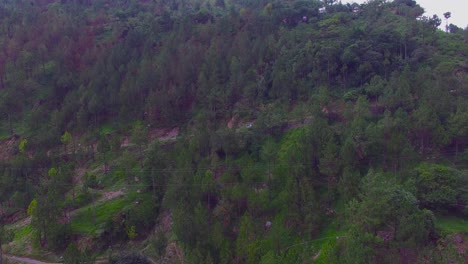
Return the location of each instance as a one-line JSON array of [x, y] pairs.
[[233, 131]]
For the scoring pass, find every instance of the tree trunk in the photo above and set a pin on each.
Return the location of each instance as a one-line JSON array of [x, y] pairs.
[[105, 164], [422, 146], [10, 125], [44, 232], [269, 181], [91, 151], [154, 187], [406, 51], [94, 209], [74, 149]]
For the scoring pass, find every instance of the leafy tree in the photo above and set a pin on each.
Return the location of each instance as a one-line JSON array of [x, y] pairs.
[[458, 126], [45, 211], [437, 186], [268, 154], [22, 145], [9, 107], [245, 239], [447, 15], [385, 212], [32, 207], [131, 233], [427, 128], [72, 254], [329, 163], [383, 74], [66, 139], [349, 183], [103, 147]]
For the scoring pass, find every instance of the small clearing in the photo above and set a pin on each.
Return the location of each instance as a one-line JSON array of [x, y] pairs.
[[78, 175], [110, 195], [161, 134], [166, 222], [164, 134], [173, 254], [6, 147], [24, 222]]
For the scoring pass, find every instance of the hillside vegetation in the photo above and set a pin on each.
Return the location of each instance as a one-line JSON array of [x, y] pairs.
[[232, 131]]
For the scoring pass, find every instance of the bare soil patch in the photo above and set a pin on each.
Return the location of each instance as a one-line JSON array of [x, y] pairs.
[[6, 148], [110, 195], [164, 134]]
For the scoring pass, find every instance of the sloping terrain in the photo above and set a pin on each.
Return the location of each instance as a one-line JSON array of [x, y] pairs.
[[232, 132]]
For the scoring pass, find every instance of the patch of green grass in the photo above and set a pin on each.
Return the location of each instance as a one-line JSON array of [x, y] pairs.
[[333, 230], [115, 177], [21, 236], [326, 241], [107, 129], [452, 224], [330, 233], [83, 222], [22, 232]]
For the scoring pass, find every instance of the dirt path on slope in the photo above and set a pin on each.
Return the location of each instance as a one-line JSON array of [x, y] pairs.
[[26, 260], [106, 196]]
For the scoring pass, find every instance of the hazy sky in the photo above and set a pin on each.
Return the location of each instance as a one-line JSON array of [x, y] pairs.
[[458, 8]]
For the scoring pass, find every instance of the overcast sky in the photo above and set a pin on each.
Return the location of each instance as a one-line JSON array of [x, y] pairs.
[[458, 8]]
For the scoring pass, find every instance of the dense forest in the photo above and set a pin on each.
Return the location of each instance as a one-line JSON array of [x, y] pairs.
[[232, 131]]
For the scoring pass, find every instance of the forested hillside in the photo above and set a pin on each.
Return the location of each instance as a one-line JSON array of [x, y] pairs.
[[232, 131]]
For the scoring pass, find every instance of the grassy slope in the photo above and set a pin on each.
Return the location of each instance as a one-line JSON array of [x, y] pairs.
[[83, 222], [452, 224]]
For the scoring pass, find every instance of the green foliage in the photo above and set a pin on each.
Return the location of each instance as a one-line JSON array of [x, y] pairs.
[[32, 207], [90, 180], [6, 236], [66, 138], [72, 254], [103, 148], [139, 135], [385, 212], [417, 229], [83, 197], [45, 211], [269, 258], [58, 236], [315, 99], [103, 145], [245, 238], [452, 224], [22, 145], [83, 222], [131, 233], [22, 232], [438, 186], [327, 253], [52, 172], [142, 216], [159, 243]]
